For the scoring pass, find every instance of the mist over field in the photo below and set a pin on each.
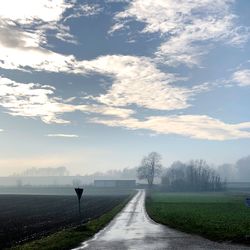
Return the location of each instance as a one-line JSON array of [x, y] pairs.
[[238, 171], [54, 176]]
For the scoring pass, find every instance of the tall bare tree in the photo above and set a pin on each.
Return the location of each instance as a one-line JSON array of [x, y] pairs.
[[150, 168]]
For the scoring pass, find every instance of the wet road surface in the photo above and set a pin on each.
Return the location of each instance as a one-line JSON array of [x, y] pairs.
[[133, 229]]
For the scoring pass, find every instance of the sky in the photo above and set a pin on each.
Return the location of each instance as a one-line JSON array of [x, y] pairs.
[[96, 85]]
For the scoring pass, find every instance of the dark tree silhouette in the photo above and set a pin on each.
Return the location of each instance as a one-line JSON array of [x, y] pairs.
[[194, 176], [150, 168]]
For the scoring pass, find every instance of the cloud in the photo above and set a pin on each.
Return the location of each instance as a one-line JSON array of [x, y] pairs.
[[1, 130], [38, 101], [85, 10], [27, 27], [28, 24], [187, 28], [106, 110], [137, 80], [28, 11], [24, 30], [193, 126], [16, 97], [11, 36], [242, 77], [24, 48], [116, 27], [36, 16], [63, 135], [31, 100], [37, 58]]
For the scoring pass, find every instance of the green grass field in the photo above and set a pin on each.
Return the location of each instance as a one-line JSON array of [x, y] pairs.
[[217, 216]]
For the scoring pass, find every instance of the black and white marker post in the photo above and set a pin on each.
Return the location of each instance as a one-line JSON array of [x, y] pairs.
[[79, 192]]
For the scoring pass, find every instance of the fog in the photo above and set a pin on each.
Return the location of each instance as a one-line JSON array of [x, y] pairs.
[[49, 171], [230, 172], [239, 171], [59, 176]]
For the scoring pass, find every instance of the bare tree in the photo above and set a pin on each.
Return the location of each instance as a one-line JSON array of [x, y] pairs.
[[150, 168], [193, 176]]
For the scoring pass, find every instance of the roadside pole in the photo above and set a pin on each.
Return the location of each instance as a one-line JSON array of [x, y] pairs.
[[79, 192]]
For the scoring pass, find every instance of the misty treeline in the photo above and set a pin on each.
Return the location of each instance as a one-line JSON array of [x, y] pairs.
[[239, 171], [126, 173], [49, 171], [196, 175], [193, 176]]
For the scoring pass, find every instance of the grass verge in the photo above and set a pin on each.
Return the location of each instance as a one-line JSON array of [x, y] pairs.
[[72, 237], [219, 217]]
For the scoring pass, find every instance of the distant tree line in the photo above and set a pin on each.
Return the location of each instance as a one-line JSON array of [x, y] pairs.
[[49, 171], [238, 171], [193, 176]]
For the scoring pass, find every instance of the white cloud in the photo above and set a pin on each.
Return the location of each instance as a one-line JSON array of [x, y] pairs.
[[23, 34], [63, 135], [117, 26], [24, 25], [85, 10], [182, 26], [242, 77], [193, 126], [31, 100], [29, 11], [1, 130], [37, 101], [185, 26], [138, 81], [29, 23], [11, 36], [58, 30], [36, 58], [106, 110]]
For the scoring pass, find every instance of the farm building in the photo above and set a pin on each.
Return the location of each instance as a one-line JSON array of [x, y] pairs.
[[115, 183]]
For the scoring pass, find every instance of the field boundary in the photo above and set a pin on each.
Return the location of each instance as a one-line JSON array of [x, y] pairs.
[[72, 237]]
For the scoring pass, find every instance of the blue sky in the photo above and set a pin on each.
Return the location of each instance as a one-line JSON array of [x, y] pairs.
[[95, 85]]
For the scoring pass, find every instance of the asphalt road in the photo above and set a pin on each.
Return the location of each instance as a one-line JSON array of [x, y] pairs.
[[133, 229]]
